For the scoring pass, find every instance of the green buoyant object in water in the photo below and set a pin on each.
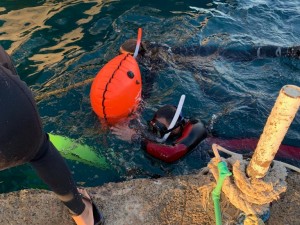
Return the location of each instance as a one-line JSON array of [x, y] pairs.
[[72, 150]]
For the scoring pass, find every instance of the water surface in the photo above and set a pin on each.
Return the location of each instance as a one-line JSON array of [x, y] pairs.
[[56, 44]]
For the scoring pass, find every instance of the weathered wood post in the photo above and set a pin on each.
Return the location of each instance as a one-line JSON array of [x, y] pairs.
[[281, 117]]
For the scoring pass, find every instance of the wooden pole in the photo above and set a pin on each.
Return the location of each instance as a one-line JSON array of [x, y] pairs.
[[281, 117]]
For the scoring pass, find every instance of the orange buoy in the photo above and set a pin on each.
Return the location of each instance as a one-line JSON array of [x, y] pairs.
[[116, 90]]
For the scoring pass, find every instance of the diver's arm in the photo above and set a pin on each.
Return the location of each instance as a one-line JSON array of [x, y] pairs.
[[192, 135]]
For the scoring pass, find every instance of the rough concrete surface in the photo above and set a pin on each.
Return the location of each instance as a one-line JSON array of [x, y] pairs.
[[172, 201]]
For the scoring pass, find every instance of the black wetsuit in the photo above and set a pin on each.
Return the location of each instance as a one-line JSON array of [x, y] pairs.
[[22, 138], [159, 55]]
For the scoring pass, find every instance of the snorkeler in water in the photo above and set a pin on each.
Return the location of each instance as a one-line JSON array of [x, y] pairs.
[[153, 51], [173, 141], [153, 57], [169, 136]]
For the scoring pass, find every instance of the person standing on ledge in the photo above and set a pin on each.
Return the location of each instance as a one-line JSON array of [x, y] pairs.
[[23, 140]]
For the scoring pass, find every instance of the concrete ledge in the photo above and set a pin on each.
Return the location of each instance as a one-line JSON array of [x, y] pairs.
[[172, 201]]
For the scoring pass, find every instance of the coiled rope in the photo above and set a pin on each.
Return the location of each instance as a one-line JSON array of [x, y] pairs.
[[252, 196]]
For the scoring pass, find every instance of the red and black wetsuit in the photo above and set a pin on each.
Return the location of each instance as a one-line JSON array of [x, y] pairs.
[[193, 132]]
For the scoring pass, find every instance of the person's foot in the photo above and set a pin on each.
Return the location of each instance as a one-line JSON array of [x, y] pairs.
[[90, 215]]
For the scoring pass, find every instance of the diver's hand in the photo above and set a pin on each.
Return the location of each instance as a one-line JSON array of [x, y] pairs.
[[123, 132]]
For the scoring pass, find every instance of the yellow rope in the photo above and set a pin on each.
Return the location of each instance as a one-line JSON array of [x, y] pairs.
[[252, 196], [66, 89]]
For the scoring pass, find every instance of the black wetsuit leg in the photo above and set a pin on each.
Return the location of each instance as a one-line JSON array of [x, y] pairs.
[[51, 167], [239, 53], [22, 138], [244, 53]]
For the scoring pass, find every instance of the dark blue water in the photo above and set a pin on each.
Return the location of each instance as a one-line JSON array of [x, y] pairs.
[[58, 43]]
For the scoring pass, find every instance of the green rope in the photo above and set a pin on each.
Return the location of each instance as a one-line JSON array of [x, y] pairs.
[[216, 193]]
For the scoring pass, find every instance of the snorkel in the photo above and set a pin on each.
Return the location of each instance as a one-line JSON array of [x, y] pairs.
[[138, 43], [174, 120]]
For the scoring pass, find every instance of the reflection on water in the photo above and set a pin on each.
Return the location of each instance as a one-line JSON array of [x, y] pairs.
[[57, 53], [20, 25]]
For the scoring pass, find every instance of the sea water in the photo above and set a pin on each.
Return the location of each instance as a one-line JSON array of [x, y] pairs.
[[56, 44]]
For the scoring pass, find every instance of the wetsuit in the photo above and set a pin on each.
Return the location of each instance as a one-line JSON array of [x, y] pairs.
[[192, 133], [22, 138], [159, 55]]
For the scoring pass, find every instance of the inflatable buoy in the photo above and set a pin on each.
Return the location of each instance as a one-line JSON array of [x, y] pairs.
[[116, 90], [71, 150]]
